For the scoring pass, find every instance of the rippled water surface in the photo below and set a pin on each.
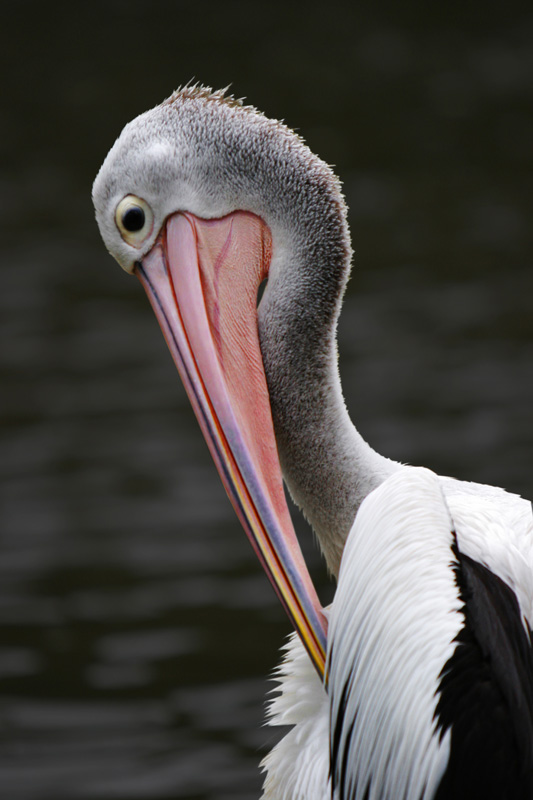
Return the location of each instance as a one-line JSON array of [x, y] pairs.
[[137, 631]]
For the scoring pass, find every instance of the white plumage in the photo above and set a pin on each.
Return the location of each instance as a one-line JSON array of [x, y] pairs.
[[395, 616], [298, 766]]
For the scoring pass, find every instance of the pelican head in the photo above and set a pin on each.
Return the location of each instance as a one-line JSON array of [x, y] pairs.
[[203, 199]]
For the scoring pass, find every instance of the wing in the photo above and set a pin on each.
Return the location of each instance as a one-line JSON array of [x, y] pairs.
[[486, 690], [430, 665]]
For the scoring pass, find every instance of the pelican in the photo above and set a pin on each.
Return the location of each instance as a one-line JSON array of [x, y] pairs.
[[417, 682]]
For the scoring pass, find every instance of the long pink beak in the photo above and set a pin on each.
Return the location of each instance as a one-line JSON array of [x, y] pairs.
[[202, 278]]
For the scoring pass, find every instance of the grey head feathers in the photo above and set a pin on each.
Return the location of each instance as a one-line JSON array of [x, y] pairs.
[[207, 153]]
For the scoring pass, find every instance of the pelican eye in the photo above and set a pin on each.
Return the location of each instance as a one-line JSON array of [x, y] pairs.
[[134, 219]]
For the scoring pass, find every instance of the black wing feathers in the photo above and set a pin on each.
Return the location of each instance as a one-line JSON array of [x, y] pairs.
[[486, 693]]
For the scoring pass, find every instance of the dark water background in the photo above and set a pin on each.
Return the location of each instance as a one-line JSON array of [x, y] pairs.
[[136, 629]]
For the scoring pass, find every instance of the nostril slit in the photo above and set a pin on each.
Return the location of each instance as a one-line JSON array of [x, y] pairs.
[[261, 290]]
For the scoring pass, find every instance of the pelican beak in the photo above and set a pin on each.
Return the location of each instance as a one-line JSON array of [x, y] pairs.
[[202, 278]]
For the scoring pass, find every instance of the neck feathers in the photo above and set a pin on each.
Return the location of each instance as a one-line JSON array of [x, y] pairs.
[[329, 469]]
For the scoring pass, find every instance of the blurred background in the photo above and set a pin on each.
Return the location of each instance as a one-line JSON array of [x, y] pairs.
[[137, 632]]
